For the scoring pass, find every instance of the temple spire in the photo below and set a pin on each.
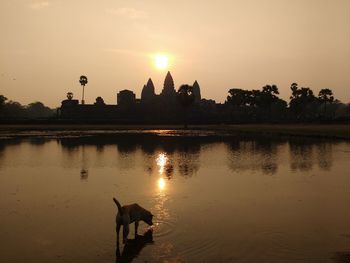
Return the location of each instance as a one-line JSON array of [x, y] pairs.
[[148, 91], [169, 87], [150, 85], [196, 92]]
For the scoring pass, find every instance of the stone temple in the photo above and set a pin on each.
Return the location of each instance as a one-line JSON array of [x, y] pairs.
[[150, 108]]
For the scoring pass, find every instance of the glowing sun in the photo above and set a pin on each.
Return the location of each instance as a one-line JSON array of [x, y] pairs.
[[161, 61]]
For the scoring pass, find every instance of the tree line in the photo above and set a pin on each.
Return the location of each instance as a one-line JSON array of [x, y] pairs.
[[265, 106], [13, 110]]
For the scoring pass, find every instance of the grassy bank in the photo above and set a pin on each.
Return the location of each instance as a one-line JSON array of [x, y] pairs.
[[341, 131]]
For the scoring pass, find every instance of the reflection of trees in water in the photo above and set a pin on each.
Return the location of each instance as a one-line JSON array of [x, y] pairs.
[[35, 142], [301, 158], [245, 154], [126, 147], [181, 155], [148, 147], [253, 155], [188, 163], [325, 155], [6, 143], [305, 153], [38, 141], [182, 152]]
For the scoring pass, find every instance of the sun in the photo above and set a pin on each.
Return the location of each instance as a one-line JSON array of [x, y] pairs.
[[161, 61]]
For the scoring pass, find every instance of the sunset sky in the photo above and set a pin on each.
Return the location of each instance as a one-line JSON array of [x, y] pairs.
[[46, 45]]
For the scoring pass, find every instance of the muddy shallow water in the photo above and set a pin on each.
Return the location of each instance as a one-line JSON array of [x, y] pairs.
[[215, 199]]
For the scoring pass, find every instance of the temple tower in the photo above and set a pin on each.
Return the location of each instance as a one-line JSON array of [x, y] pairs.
[[196, 92], [148, 93], [168, 91]]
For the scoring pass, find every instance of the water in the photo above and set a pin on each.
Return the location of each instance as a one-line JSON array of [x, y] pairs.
[[215, 199]]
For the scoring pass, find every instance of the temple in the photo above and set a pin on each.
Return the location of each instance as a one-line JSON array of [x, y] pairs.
[[150, 108]]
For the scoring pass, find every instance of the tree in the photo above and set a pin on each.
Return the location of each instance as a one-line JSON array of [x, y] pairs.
[[244, 103], [236, 97], [37, 110], [83, 81], [69, 95], [2, 104], [302, 102], [186, 98], [268, 98], [13, 110], [325, 96], [3, 99], [99, 101]]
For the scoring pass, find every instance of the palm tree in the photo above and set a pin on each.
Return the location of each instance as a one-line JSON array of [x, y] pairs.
[[325, 96], [186, 98], [83, 81], [268, 97]]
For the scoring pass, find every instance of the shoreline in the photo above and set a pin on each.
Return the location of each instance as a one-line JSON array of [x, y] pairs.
[[333, 131]]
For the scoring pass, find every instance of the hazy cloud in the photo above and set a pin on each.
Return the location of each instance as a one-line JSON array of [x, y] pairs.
[[127, 12], [39, 5]]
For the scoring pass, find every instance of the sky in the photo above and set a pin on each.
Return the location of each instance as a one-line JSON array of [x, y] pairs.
[[46, 45]]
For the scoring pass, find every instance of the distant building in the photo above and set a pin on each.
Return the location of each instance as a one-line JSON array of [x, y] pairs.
[[70, 103], [126, 98]]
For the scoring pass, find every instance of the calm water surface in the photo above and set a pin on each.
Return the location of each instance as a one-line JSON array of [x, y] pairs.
[[214, 200]]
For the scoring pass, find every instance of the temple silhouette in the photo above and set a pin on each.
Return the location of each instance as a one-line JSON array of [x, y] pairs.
[[150, 108]]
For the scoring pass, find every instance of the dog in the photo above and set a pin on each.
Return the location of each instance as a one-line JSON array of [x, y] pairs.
[[129, 214]]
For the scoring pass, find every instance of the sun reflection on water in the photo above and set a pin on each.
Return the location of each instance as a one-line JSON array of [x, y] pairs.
[[161, 162], [161, 184], [161, 195]]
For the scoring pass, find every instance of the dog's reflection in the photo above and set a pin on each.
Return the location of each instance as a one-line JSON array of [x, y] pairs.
[[134, 246]]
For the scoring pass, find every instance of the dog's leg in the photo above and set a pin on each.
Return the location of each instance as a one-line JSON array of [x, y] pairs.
[[125, 232], [136, 227], [117, 254], [117, 230]]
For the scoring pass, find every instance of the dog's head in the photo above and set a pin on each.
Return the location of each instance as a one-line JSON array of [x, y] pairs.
[[148, 218]]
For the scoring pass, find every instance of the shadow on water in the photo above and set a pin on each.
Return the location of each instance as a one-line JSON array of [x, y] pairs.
[[254, 155], [133, 247], [245, 153], [182, 152], [262, 155], [304, 154], [341, 257]]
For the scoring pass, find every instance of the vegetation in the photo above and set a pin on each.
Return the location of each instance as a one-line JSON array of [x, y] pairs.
[[265, 106], [12, 110], [83, 81], [186, 98]]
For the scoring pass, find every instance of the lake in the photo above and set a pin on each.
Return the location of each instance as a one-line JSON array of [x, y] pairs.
[[214, 198]]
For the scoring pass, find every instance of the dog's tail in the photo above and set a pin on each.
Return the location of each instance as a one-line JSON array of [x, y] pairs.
[[118, 205]]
